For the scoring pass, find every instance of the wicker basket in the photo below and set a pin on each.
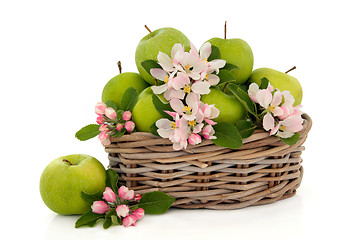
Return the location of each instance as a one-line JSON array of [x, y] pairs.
[[263, 171]]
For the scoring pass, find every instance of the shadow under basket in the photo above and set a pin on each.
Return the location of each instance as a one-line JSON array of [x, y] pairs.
[[262, 171]]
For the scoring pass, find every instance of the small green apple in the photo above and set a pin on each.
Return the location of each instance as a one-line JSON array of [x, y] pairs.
[[237, 52], [160, 40], [63, 180], [280, 80], [231, 110], [115, 87], [144, 113]]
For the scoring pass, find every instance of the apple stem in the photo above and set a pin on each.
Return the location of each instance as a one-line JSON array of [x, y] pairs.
[[119, 66], [225, 30], [67, 161], [151, 33], [293, 68]]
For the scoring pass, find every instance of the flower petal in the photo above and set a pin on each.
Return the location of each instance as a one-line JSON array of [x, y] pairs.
[[264, 97], [201, 87], [159, 89], [205, 51], [159, 73], [163, 123], [268, 122], [177, 105]]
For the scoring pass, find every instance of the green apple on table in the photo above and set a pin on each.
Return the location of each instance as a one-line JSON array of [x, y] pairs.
[[115, 87], [280, 80], [237, 52], [144, 113], [160, 40], [63, 180], [231, 110]]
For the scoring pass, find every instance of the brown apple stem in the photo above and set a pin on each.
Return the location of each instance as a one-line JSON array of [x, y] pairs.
[[293, 68], [151, 33], [67, 161], [119, 66], [225, 30]]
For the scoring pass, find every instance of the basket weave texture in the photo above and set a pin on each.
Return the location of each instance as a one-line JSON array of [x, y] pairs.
[[262, 171]]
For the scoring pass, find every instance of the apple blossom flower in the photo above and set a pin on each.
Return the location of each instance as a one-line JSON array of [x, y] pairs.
[[137, 197], [129, 126], [138, 213], [122, 210], [119, 126], [288, 127], [190, 110], [208, 112], [104, 138], [110, 113], [100, 108], [208, 132], [104, 128], [109, 195], [125, 193], [194, 139], [163, 76], [271, 104], [99, 207], [129, 220], [127, 115], [100, 119], [171, 64], [191, 64]]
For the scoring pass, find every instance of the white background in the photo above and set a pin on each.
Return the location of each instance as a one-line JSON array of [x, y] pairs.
[[56, 56]]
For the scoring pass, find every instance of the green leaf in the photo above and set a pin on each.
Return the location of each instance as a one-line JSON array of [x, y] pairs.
[[215, 53], [227, 136], [88, 219], [119, 133], [226, 76], [264, 83], [111, 104], [162, 107], [112, 179], [129, 99], [149, 64], [155, 202], [153, 129], [230, 67], [107, 223], [291, 140], [246, 128], [90, 198], [87, 132], [243, 97]]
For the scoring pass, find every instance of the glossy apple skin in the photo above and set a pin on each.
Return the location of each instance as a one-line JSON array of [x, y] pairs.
[[115, 87], [144, 113], [150, 46], [231, 110], [61, 184], [237, 52], [280, 80]]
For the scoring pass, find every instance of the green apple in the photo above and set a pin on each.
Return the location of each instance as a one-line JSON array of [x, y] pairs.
[[280, 80], [237, 52], [231, 110], [160, 40], [115, 87], [144, 113], [63, 180]]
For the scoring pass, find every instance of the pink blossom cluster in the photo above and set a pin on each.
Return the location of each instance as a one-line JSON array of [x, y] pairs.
[[121, 205], [281, 117], [110, 123], [186, 76]]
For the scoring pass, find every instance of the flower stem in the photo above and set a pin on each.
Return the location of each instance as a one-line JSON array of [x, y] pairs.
[[151, 33], [293, 68]]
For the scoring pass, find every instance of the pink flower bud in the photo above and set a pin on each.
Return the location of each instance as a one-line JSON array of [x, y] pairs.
[[122, 210], [119, 127], [109, 195], [129, 221], [100, 119], [129, 126], [125, 193], [137, 197], [138, 213], [104, 128], [100, 108], [110, 113], [194, 139], [104, 138], [99, 207], [127, 116]]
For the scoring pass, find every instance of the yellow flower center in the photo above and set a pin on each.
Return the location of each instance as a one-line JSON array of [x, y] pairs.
[[187, 89], [188, 66], [187, 109], [272, 108], [206, 61], [283, 128], [192, 123], [173, 125], [166, 79], [207, 76]]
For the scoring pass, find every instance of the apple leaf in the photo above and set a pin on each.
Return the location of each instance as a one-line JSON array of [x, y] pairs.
[[243, 97], [246, 128], [88, 219], [112, 179], [161, 107], [230, 67], [226, 76], [264, 83], [227, 136], [215, 53], [129, 99], [90, 198], [149, 64], [87, 132], [155, 202], [291, 140]]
